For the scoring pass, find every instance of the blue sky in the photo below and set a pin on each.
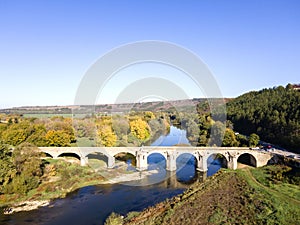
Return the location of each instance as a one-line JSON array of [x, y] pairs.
[[47, 46]]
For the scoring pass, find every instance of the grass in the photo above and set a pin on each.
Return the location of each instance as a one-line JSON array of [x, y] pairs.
[[84, 142], [244, 196]]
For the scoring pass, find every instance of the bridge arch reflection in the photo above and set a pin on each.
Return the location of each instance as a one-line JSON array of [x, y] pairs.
[[186, 164]]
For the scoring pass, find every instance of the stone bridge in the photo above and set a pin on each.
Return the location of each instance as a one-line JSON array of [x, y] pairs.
[[230, 155]]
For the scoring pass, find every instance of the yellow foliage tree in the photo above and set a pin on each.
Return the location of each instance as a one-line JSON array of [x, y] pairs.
[[140, 129], [58, 138], [106, 136]]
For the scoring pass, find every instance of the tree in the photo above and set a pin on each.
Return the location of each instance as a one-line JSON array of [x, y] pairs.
[[27, 163], [106, 136], [14, 136], [140, 129], [243, 140], [229, 139], [193, 132], [38, 135], [7, 168], [217, 133], [253, 140], [58, 138]]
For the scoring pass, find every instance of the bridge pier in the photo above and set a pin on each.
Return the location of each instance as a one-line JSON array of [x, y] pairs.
[[83, 160], [111, 162], [171, 161], [232, 163], [141, 161], [202, 164]]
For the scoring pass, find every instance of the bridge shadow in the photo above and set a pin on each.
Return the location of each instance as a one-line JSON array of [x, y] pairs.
[[97, 159], [70, 157]]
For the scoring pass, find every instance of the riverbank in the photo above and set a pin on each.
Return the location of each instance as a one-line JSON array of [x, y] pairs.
[[268, 195], [67, 178]]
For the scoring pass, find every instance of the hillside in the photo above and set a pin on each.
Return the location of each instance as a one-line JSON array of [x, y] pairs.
[[248, 196], [273, 114], [181, 105]]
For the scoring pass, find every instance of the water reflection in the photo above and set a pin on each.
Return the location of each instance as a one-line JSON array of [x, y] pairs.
[[176, 136], [215, 163]]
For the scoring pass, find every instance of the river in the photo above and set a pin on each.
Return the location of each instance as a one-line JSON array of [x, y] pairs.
[[91, 205]]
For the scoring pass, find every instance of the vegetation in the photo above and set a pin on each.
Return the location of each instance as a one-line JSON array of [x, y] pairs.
[[273, 114], [22, 171], [24, 175], [133, 129], [245, 196]]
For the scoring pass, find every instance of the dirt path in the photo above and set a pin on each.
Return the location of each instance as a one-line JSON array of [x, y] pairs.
[[283, 197]]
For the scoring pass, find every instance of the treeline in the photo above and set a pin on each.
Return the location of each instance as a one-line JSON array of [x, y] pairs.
[[273, 114], [134, 129], [203, 130]]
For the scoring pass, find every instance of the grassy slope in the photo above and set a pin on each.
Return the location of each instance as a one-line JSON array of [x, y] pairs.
[[229, 197]]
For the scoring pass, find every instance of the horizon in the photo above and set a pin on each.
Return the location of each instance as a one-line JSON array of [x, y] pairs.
[[154, 100], [48, 47]]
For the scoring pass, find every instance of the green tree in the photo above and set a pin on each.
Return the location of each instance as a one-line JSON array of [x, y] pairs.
[[38, 135], [243, 140], [229, 139], [193, 132], [253, 140], [27, 162], [217, 133], [7, 168]]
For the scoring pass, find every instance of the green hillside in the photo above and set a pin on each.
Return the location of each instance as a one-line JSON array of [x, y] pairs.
[[274, 114], [268, 195]]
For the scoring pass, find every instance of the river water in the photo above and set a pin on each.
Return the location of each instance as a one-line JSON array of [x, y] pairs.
[[91, 205]]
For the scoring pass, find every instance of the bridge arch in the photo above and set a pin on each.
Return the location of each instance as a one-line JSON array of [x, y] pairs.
[[157, 159], [187, 157], [186, 167], [216, 161], [248, 159], [46, 154], [68, 155], [126, 157], [218, 156]]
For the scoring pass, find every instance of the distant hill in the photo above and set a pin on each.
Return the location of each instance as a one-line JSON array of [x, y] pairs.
[[274, 114], [187, 105]]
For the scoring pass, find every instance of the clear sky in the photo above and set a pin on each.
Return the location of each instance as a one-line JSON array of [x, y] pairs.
[[47, 46]]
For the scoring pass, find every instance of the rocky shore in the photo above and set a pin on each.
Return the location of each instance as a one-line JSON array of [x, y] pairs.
[[26, 206], [117, 178]]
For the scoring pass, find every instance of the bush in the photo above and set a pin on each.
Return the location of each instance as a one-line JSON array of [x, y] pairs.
[[114, 219]]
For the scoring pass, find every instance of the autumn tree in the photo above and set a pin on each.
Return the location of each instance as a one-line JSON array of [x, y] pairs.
[[106, 136], [58, 138], [140, 129]]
